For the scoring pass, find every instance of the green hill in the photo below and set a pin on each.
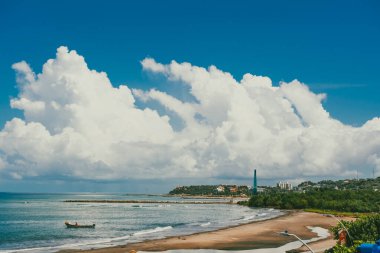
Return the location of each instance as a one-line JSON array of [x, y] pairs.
[[211, 190], [361, 195]]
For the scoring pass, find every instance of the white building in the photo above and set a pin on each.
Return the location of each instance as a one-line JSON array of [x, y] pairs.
[[284, 185], [220, 188]]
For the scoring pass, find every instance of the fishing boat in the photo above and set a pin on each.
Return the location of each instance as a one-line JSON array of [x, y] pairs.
[[76, 225]]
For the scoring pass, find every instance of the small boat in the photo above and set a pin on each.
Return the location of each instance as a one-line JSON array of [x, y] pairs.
[[76, 225]]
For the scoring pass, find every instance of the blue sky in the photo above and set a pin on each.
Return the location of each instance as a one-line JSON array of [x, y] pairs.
[[332, 46]]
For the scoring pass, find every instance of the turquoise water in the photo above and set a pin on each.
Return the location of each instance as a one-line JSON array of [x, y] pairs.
[[35, 222]]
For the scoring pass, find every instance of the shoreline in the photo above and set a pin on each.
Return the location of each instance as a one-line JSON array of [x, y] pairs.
[[189, 196], [254, 235], [144, 201]]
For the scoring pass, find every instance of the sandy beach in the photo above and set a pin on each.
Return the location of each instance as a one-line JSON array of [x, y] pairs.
[[255, 235]]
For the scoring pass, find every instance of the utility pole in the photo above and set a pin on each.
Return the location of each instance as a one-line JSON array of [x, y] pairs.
[[285, 233]]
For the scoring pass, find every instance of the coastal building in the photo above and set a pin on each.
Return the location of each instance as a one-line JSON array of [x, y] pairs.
[[260, 189], [233, 189], [220, 188], [284, 185]]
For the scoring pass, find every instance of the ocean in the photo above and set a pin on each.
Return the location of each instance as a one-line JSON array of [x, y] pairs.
[[35, 222]]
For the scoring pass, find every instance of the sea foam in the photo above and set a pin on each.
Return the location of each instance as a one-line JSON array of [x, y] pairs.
[[154, 230]]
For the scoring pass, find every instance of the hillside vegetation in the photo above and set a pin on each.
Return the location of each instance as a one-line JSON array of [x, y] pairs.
[[364, 229], [327, 199], [352, 195], [347, 184], [211, 190]]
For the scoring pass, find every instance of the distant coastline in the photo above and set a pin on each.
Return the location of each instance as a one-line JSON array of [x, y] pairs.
[[197, 200], [190, 196]]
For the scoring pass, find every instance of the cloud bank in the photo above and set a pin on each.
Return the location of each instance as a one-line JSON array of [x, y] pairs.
[[77, 125]]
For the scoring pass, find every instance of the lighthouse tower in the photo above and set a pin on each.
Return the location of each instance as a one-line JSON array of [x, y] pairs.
[[254, 188]]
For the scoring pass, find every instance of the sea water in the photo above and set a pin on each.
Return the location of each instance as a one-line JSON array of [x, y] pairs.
[[35, 222]]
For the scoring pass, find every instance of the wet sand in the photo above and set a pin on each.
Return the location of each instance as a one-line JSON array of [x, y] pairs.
[[255, 235]]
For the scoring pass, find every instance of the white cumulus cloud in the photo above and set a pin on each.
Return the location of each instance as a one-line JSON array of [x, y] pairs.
[[78, 125]]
